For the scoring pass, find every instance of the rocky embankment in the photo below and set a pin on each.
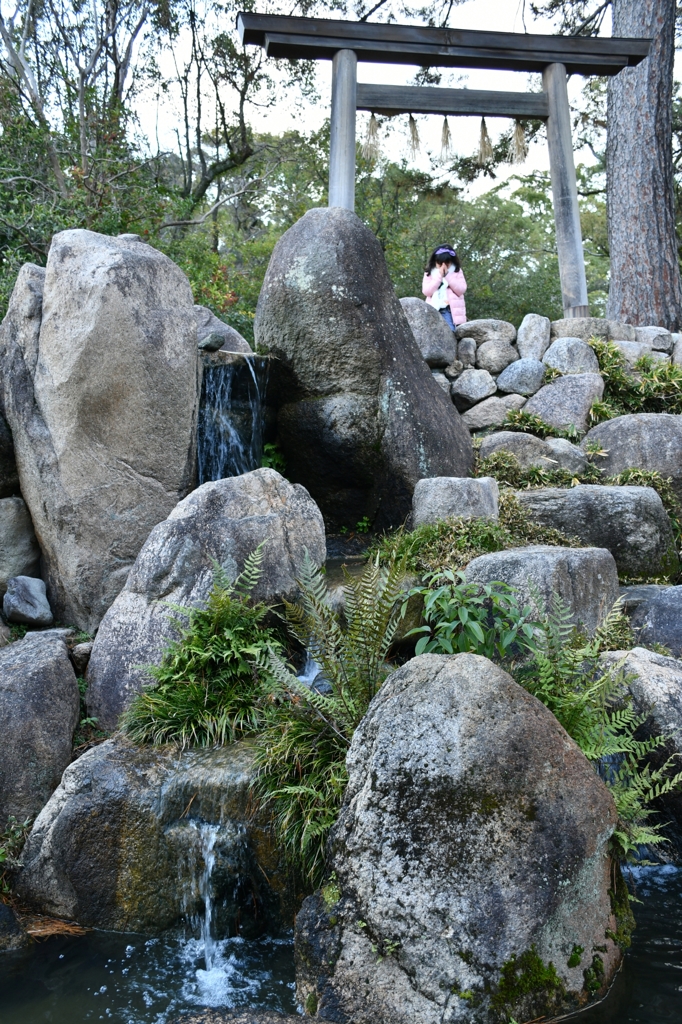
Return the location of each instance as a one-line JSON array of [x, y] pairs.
[[469, 872]]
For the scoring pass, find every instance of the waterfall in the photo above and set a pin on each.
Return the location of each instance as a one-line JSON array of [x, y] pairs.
[[201, 857], [231, 413]]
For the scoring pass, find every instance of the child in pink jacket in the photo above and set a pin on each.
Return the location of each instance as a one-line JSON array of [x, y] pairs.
[[444, 285]]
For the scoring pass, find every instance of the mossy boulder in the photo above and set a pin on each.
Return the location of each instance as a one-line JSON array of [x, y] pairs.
[[119, 845], [471, 869]]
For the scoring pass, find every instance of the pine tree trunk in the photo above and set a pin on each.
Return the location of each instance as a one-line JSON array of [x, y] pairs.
[[645, 276]]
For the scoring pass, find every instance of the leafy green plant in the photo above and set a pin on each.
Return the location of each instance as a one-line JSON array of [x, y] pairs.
[[363, 526], [484, 619], [592, 703], [272, 458], [530, 423], [452, 543], [650, 386], [12, 841], [302, 750], [209, 685]]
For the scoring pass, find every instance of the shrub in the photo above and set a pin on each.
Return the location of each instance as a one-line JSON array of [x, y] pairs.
[[208, 687], [461, 616], [506, 469], [302, 750], [651, 386], [530, 423]]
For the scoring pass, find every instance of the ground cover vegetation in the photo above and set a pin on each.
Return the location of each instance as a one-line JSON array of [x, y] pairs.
[[229, 675]]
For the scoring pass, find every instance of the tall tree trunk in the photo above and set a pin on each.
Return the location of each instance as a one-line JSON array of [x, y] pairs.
[[645, 276]]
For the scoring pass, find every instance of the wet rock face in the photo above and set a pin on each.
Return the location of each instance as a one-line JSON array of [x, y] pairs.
[[121, 844], [361, 417], [39, 704], [473, 832], [223, 521], [99, 363]]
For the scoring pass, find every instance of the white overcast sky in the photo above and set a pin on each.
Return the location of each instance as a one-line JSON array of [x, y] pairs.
[[498, 15]]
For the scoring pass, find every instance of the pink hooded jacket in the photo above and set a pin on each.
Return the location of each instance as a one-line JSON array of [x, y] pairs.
[[455, 293]]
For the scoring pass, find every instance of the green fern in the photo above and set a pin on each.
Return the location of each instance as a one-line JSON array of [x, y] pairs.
[[594, 707], [208, 689], [302, 751]]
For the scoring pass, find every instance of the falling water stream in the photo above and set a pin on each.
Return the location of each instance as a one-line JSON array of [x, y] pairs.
[[231, 417]]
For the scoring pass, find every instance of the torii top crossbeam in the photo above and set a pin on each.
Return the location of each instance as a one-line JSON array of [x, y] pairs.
[[321, 38], [347, 42]]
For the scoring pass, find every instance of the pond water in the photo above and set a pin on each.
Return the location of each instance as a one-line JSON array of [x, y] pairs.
[[132, 980]]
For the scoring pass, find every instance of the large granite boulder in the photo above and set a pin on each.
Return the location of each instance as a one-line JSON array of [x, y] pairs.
[[9, 476], [629, 521], [124, 840], [39, 704], [437, 343], [19, 551], [99, 363], [655, 612], [361, 418], [567, 401], [586, 579], [223, 521], [471, 849], [644, 440]]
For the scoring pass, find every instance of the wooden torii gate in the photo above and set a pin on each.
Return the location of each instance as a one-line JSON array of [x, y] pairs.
[[345, 43]]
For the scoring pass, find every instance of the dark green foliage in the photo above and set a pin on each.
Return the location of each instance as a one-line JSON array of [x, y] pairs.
[[452, 543], [209, 686], [592, 704], [594, 975], [302, 750], [87, 733], [273, 458], [524, 976], [484, 619], [12, 841]]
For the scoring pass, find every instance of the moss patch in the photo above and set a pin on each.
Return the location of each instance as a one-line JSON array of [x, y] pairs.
[[528, 982], [622, 911]]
